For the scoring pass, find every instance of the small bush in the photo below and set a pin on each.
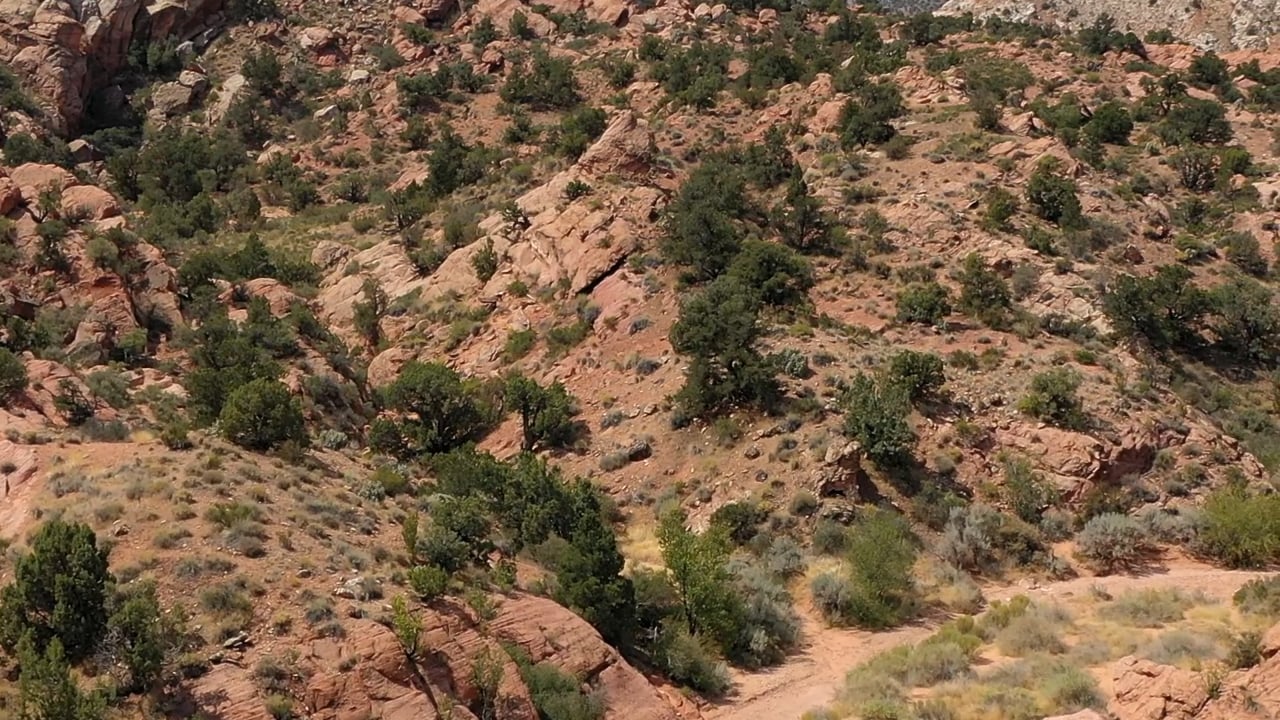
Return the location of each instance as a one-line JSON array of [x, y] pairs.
[[803, 504], [686, 660], [1260, 596], [1148, 608], [1070, 688], [428, 581], [1179, 646], [925, 303], [1111, 541], [920, 374], [1239, 529], [830, 538], [1246, 651], [1036, 631], [1054, 398]]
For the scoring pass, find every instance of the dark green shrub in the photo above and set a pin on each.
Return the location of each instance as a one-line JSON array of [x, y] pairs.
[[261, 415], [58, 592], [1000, 207], [1054, 397], [876, 416], [547, 82], [546, 413], [919, 374], [983, 293], [718, 327], [13, 374], [1053, 197], [1240, 529], [864, 119], [439, 410], [927, 303], [428, 581]]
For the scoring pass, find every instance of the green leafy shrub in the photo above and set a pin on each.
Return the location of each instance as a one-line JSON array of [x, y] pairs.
[[876, 415], [1053, 197], [546, 413], [13, 374], [262, 415], [547, 82], [439, 410], [718, 327], [983, 293], [920, 374], [58, 594], [864, 118], [1054, 397], [1240, 529], [926, 303], [879, 591], [428, 581]]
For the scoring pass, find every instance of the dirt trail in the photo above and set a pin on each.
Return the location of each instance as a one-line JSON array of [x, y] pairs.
[[811, 678]]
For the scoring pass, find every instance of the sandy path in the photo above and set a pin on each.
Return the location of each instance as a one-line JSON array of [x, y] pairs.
[[811, 678]]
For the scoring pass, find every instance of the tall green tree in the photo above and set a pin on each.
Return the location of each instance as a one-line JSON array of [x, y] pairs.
[[881, 554], [59, 592], [367, 313], [546, 413], [590, 578], [696, 565], [718, 328], [438, 410], [46, 689], [875, 414]]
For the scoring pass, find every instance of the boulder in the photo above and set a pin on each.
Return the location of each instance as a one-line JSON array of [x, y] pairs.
[[547, 632], [10, 195], [44, 378], [109, 317], [1144, 690], [233, 88], [81, 151], [229, 692], [278, 295], [434, 10], [841, 473], [317, 39], [33, 179], [383, 684], [89, 201], [626, 146]]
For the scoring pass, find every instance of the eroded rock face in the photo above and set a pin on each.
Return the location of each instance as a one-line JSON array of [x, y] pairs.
[[68, 49], [550, 633], [576, 241], [367, 674], [1145, 690], [1217, 25]]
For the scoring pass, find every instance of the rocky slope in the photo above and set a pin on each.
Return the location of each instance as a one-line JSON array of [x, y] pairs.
[[577, 292], [1234, 24]]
